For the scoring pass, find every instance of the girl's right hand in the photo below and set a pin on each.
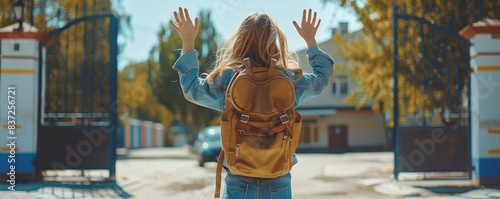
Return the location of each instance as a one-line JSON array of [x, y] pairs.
[[186, 29], [307, 29]]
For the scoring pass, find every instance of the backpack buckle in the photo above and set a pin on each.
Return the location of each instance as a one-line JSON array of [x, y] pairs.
[[284, 119], [244, 118]]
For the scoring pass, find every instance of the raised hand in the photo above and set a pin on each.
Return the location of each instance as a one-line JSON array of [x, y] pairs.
[[308, 27], [186, 29]]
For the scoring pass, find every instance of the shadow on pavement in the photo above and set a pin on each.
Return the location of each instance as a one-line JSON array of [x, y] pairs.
[[457, 190], [75, 190], [451, 190]]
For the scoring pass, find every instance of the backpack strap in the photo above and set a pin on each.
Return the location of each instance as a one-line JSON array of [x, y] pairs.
[[280, 128], [244, 127], [283, 116], [247, 62], [218, 174], [272, 63]]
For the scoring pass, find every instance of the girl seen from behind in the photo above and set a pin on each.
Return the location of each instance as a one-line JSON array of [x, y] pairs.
[[259, 39]]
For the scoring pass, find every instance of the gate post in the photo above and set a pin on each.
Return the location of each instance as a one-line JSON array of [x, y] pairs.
[[485, 99], [19, 73]]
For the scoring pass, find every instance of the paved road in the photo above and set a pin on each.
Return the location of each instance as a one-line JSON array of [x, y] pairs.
[[316, 176], [160, 178], [174, 173]]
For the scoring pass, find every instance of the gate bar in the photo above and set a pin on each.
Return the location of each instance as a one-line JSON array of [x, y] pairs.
[[395, 90]]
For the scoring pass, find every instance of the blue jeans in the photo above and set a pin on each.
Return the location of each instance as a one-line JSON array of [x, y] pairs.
[[241, 187]]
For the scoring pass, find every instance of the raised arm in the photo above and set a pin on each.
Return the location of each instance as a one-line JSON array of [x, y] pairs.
[[312, 84], [196, 90], [186, 29]]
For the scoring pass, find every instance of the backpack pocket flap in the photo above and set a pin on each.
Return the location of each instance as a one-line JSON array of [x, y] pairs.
[[262, 94]]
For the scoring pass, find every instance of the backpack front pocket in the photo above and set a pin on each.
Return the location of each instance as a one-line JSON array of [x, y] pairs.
[[269, 162]]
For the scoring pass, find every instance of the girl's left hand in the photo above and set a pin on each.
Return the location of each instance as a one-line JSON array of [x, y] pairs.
[[185, 27], [308, 27]]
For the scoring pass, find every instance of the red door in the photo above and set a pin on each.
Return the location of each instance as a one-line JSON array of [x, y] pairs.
[[337, 138]]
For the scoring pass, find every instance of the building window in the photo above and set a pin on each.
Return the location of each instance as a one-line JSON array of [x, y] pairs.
[[343, 87], [339, 86], [304, 136], [309, 134], [315, 136]]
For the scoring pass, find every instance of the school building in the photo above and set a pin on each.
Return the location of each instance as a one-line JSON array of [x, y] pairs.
[[331, 126]]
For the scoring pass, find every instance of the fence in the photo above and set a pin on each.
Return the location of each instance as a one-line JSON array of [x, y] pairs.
[[431, 87], [142, 134]]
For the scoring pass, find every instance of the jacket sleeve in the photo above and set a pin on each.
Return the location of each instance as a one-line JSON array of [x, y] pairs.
[[198, 90], [312, 84]]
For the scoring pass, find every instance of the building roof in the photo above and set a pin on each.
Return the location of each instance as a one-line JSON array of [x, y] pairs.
[[330, 48], [487, 25], [29, 32], [486, 22], [26, 28]]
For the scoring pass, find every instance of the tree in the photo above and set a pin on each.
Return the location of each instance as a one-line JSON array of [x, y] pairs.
[[49, 14], [136, 98], [165, 80], [371, 55], [6, 13]]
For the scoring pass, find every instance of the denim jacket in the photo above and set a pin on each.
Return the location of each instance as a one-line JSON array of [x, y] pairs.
[[211, 95]]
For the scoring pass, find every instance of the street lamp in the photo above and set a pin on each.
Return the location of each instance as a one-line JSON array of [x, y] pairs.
[[19, 6]]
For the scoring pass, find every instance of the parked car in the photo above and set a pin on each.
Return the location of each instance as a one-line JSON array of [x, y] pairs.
[[208, 145]]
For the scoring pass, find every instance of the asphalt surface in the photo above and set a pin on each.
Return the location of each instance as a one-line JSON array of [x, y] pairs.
[[174, 173]]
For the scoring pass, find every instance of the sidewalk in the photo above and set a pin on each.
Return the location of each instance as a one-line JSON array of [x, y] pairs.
[[155, 153], [349, 175], [377, 176], [86, 189]]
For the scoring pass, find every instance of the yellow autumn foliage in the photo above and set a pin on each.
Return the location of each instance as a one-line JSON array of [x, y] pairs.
[[371, 55]]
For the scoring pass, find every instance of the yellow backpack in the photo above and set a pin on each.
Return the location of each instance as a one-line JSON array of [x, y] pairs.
[[260, 129]]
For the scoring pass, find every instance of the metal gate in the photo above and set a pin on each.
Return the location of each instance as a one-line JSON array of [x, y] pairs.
[[431, 97], [78, 84]]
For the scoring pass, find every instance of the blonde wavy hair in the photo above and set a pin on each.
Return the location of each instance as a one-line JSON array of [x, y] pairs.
[[258, 38]]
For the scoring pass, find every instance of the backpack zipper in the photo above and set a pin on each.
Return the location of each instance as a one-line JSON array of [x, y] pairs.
[[283, 142], [237, 150]]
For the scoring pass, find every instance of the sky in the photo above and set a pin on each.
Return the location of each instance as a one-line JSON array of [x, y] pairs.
[[149, 15]]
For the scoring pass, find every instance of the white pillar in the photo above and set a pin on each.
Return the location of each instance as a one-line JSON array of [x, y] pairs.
[[19, 72], [485, 99]]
